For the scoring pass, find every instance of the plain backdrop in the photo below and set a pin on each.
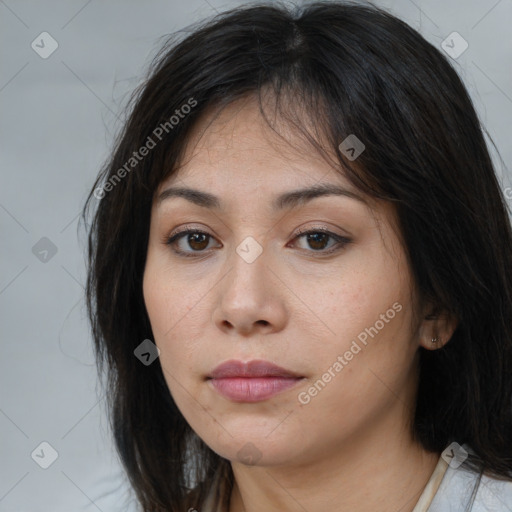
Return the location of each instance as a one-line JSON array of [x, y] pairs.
[[58, 116]]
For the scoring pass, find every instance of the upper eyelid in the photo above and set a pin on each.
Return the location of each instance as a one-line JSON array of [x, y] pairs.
[[300, 231]]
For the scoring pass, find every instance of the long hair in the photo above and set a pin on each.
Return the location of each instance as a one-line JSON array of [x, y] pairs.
[[349, 69]]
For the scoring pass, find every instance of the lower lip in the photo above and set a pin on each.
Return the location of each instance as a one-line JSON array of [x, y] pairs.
[[252, 389]]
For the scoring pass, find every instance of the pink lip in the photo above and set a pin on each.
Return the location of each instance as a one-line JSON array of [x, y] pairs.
[[252, 381]]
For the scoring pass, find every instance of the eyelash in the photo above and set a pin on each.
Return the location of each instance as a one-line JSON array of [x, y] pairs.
[[175, 237]]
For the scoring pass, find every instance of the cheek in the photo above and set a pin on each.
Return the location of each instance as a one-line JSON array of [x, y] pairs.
[[368, 320], [345, 305], [176, 358], [357, 383], [177, 317], [169, 301]]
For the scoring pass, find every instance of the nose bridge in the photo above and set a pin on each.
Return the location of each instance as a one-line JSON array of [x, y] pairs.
[[248, 298], [248, 264], [250, 250]]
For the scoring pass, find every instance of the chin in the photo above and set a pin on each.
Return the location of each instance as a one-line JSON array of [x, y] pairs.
[[256, 447]]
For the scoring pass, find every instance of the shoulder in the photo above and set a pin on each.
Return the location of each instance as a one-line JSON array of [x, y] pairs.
[[466, 490], [493, 495]]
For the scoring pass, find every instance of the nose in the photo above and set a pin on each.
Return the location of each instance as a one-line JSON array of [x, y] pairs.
[[250, 299]]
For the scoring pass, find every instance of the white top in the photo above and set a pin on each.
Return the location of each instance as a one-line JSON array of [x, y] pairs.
[[449, 489]]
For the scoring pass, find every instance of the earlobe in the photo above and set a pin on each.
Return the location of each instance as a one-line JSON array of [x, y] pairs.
[[436, 330], [435, 343]]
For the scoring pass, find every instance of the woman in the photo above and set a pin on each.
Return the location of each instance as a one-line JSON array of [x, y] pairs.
[[300, 273]]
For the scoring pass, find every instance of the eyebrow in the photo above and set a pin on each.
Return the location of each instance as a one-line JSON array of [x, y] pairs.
[[287, 200]]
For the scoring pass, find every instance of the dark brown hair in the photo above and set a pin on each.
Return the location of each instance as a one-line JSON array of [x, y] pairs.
[[353, 69]]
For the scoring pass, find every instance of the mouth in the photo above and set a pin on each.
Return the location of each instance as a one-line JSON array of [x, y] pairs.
[[253, 381]]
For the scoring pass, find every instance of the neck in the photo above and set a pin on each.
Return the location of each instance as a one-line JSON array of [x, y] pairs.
[[363, 475]]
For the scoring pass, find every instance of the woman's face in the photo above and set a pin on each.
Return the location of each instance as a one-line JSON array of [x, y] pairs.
[[335, 313]]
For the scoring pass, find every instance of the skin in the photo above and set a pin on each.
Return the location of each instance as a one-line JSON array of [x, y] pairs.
[[349, 448]]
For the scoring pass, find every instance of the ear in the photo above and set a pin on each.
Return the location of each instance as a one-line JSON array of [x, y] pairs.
[[436, 329]]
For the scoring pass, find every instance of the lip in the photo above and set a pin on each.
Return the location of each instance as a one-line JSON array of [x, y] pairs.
[[254, 368], [253, 381]]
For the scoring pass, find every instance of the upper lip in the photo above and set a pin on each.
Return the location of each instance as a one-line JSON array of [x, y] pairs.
[[254, 368]]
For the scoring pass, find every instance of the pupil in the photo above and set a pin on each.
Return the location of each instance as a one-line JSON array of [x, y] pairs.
[[314, 238], [194, 237]]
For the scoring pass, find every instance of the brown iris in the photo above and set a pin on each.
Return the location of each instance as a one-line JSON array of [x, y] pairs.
[[314, 237], [198, 239]]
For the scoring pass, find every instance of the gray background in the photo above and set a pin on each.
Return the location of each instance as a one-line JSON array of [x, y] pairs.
[[58, 116]]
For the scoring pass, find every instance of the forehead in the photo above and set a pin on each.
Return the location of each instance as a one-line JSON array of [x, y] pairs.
[[235, 163], [237, 146]]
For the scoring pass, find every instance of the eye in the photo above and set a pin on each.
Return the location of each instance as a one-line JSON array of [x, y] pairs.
[[318, 239], [197, 240]]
